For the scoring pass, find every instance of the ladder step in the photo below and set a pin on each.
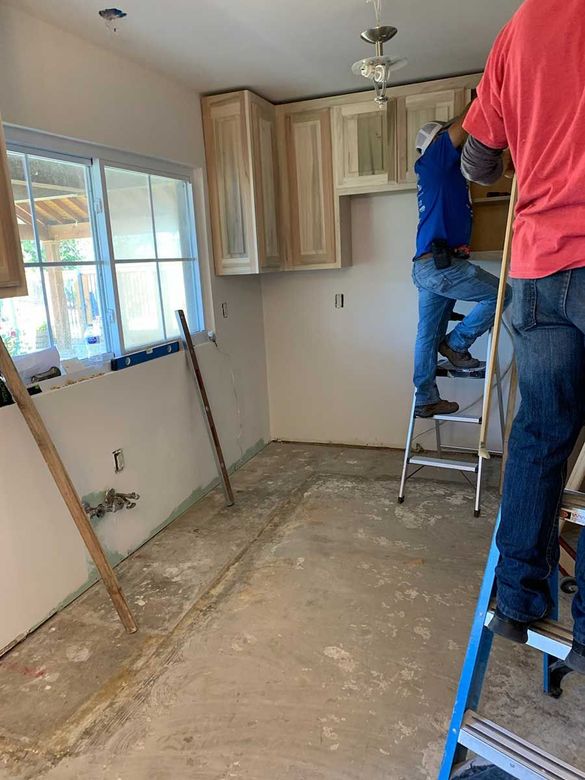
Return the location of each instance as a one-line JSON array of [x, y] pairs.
[[512, 754], [443, 463], [445, 369], [455, 419], [547, 636], [573, 507]]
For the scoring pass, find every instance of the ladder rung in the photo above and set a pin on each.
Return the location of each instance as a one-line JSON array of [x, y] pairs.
[[443, 463], [455, 419], [512, 754], [455, 448], [574, 505], [547, 636], [445, 369]]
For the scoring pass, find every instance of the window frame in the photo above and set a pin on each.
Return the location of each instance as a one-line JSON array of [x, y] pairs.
[[97, 158]]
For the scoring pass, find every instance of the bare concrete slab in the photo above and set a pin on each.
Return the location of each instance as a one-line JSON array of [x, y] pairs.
[[314, 631]]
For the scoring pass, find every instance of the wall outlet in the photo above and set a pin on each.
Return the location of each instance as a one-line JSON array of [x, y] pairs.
[[224, 310], [339, 301], [119, 461]]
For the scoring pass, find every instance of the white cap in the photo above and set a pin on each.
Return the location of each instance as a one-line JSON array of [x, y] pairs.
[[427, 134]]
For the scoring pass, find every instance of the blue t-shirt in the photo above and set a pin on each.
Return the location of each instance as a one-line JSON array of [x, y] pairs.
[[444, 205]]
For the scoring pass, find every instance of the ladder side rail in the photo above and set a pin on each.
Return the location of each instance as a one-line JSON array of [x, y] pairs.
[[474, 665], [409, 436], [549, 660]]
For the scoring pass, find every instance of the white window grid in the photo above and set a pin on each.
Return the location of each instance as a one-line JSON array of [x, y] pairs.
[[105, 261]]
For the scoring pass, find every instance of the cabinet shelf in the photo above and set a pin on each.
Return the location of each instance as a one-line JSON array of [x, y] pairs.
[[495, 199]]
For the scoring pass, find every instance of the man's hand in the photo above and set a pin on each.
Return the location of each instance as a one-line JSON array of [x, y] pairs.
[[508, 163]]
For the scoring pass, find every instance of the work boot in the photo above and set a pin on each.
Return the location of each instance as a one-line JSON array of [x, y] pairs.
[[458, 359], [514, 630], [440, 407], [576, 658]]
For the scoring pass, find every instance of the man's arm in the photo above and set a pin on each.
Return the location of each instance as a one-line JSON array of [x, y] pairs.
[[482, 155], [456, 132], [480, 163]]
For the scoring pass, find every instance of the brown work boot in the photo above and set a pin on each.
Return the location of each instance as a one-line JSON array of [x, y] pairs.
[[458, 359], [441, 407]]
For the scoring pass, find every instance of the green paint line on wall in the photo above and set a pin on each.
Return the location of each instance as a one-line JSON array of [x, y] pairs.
[[200, 493], [115, 557], [95, 498]]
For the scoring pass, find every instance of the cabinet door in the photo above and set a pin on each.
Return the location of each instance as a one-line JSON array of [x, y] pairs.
[[364, 144], [310, 174], [12, 278], [230, 188], [266, 185], [416, 110]]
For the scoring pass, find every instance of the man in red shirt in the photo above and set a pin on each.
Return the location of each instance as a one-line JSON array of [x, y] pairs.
[[532, 100]]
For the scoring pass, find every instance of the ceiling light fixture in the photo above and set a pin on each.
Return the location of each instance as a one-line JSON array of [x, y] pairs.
[[377, 69], [111, 17]]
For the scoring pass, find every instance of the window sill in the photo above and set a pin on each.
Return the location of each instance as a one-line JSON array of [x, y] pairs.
[[98, 367]]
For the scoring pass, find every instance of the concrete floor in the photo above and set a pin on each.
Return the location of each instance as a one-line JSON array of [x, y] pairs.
[[315, 630]]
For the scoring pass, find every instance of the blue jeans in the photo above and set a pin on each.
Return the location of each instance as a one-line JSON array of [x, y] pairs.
[[438, 292], [548, 318]]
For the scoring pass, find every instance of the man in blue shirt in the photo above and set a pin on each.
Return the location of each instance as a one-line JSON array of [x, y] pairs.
[[441, 269]]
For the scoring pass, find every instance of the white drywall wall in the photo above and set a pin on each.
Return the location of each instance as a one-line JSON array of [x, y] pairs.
[[344, 375], [55, 82], [153, 413]]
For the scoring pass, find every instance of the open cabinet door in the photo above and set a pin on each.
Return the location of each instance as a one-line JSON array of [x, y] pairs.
[[12, 278]]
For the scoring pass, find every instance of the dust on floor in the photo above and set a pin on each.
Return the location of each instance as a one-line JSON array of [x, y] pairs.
[[327, 644]]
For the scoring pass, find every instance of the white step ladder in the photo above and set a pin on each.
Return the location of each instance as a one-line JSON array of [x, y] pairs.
[[445, 369]]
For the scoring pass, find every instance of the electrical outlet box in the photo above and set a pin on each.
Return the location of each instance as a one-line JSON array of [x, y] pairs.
[[119, 462], [224, 310], [339, 301]]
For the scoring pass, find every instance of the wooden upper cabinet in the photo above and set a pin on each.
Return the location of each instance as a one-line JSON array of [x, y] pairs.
[[310, 189], [243, 185], [364, 144], [266, 184], [490, 215], [416, 110], [12, 276], [281, 177]]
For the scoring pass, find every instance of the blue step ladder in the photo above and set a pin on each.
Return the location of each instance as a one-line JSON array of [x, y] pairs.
[[469, 731]]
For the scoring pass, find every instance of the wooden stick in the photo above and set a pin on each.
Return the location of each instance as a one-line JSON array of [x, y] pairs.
[[64, 485], [211, 429], [491, 367], [510, 413], [578, 473]]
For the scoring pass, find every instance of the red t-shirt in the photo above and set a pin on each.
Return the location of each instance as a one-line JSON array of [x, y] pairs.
[[532, 99]]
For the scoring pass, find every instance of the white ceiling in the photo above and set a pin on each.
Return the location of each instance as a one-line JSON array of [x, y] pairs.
[[285, 49]]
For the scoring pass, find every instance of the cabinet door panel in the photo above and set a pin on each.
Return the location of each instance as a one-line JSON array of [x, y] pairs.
[[414, 112], [12, 278], [266, 186], [231, 199], [364, 139], [230, 188], [311, 188]]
